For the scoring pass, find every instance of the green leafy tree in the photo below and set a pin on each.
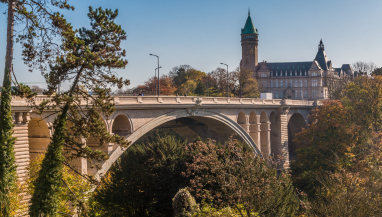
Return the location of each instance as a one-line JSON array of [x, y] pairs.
[[201, 88], [87, 57], [377, 71], [145, 179]]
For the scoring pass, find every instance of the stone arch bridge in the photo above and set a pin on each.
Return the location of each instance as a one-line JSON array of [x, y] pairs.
[[265, 124]]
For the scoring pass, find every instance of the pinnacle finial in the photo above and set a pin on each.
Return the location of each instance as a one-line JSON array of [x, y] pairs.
[[321, 45], [249, 12]]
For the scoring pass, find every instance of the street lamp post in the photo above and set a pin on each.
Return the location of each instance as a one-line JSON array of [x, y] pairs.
[[155, 76], [227, 79], [208, 89], [158, 73]]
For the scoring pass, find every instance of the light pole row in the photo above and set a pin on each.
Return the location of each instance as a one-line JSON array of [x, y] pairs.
[[158, 73], [158, 84], [227, 79]]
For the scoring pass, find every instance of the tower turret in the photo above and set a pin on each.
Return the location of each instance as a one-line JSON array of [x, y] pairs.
[[249, 45]]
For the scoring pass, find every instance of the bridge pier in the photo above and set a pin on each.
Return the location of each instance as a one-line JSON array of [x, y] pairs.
[[282, 146]]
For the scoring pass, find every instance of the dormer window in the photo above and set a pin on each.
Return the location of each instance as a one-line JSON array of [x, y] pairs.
[[263, 75]]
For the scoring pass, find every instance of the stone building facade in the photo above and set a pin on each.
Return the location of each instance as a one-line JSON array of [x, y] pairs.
[[316, 79]]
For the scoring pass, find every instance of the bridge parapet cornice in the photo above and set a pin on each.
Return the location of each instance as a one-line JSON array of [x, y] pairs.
[[147, 102]]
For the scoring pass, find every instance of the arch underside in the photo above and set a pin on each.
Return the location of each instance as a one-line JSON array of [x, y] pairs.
[[220, 124]]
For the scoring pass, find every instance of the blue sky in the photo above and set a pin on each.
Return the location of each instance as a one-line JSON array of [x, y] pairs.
[[204, 33]]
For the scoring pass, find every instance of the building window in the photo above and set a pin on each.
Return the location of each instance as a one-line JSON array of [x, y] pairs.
[[301, 94], [295, 94], [263, 75], [264, 83], [306, 83], [314, 83], [305, 94], [277, 94], [314, 94], [277, 83], [271, 83], [295, 83], [301, 83], [281, 94], [291, 83], [281, 83]]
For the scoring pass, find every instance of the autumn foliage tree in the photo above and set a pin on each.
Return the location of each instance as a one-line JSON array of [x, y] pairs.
[[185, 80], [340, 135], [329, 139], [232, 174]]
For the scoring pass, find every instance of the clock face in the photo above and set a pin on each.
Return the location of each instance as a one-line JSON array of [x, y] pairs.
[[252, 51]]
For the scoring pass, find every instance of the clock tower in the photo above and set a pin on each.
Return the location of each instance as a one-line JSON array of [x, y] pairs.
[[249, 45]]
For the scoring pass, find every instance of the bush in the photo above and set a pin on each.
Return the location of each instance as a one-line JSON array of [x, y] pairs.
[[184, 204]]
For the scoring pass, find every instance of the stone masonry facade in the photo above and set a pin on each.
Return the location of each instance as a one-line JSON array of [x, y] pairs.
[[309, 80]]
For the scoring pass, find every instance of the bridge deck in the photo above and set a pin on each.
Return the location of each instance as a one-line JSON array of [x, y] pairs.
[[135, 102]]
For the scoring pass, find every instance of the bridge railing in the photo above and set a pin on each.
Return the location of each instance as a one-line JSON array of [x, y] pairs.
[[134, 100]]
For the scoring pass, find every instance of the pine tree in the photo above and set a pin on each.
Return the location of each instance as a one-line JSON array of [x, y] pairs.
[[89, 55]]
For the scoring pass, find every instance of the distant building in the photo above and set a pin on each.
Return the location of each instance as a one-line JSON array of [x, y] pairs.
[[316, 79]]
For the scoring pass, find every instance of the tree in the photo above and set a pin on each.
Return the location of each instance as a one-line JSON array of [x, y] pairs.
[[345, 193], [36, 89], [218, 81], [74, 189], [145, 179], [178, 73], [364, 68], [377, 71], [340, 133], [201, 88], [232, 174], [167, 86], [324, 146], [36, 16], [88, 57], [247, 85]]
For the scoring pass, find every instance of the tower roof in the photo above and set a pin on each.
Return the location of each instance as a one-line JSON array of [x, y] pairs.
[[321, 57], [249, 28]]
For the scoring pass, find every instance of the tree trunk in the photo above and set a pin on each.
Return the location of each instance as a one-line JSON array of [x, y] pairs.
[[7, 155], [10, 28]]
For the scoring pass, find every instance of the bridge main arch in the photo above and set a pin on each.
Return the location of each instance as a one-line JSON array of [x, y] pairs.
[[204, 116]]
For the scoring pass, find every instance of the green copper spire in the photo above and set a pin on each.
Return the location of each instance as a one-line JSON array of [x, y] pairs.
[[249, 28]]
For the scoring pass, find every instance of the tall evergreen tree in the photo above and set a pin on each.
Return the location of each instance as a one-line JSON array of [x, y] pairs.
[[7, 156], [87, 57], [33, 20]]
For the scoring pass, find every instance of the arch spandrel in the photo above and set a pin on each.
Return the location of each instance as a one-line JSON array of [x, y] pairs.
[[202, 114]]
